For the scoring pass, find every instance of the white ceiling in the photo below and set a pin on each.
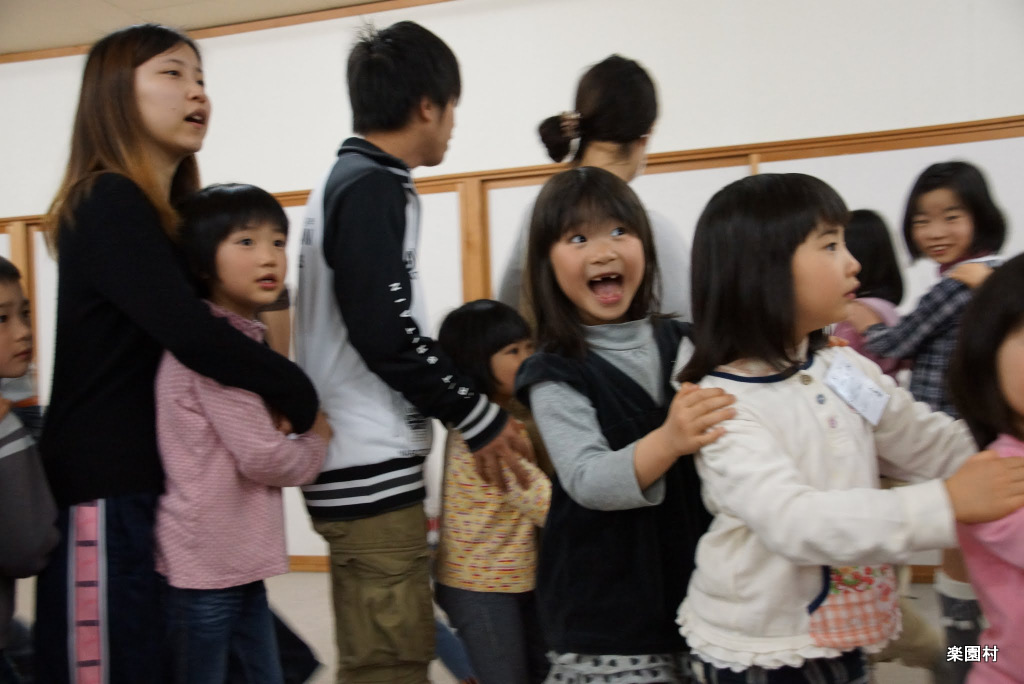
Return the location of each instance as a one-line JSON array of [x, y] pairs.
[[41, 24]]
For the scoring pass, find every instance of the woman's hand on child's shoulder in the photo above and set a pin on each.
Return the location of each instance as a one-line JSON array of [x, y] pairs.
[[693, 415], [986, 488]]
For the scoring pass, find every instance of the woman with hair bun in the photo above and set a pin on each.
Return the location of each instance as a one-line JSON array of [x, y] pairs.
[[616, 107]]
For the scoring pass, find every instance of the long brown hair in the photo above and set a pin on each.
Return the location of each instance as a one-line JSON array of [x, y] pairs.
[[108, 133]]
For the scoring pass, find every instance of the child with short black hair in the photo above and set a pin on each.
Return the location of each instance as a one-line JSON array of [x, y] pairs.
[[361, 334], [986, 381], [952, 219], [220, 523], [487, 555], [27, 511], [793, 580]]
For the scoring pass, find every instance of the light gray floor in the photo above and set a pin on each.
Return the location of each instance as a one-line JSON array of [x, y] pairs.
[[303, 600]]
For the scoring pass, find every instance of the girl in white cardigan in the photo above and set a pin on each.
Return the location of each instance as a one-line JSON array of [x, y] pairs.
[[792, 581]]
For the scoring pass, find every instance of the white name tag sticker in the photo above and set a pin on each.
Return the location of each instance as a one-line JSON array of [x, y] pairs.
[[858, 390]]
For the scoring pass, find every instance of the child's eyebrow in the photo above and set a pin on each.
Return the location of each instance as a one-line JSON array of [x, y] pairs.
[[827, 230]]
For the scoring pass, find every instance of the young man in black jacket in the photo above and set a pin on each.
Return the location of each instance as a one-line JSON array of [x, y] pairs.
[[361, 337]]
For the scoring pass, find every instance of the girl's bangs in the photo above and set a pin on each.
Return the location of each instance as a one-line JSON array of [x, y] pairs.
[[592, 208]]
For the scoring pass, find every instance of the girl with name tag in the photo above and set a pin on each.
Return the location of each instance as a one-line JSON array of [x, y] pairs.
[[793, 581]]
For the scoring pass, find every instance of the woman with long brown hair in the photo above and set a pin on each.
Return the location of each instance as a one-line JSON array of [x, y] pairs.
[[122, 300]]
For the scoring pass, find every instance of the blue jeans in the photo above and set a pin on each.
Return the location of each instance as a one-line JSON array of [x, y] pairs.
[[206, 625], [501, 633]]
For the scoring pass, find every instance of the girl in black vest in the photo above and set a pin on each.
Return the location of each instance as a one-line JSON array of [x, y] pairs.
[[625, 511]]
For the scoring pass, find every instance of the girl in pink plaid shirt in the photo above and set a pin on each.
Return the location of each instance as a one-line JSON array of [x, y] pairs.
[[792, 582], [220, 523]]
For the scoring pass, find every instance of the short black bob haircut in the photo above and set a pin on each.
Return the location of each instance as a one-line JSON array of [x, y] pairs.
[[569, 200], [967, 182], [9, 273], [476, 331], [616, 101], [210, 215], [391, 70], [869, 241], [744, 306], [996, 311]]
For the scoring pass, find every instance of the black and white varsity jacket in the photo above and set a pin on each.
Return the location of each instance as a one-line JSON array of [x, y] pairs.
[[359, 317]]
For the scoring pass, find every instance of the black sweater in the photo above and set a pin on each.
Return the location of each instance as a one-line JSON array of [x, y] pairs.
[[610, 582], [122, 299]]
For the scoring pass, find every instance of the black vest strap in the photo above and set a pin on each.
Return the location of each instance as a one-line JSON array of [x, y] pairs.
[[609, 582]]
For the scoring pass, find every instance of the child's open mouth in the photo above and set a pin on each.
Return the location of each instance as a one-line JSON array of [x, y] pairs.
[[607, 288]]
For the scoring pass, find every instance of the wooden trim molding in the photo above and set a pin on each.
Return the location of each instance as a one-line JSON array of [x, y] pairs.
[[759, 153], [369, 7], [751, 156], [476, 248], [309, 563], [923, 574]]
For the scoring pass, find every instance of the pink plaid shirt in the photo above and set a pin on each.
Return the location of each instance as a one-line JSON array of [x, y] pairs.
[[220, 522]]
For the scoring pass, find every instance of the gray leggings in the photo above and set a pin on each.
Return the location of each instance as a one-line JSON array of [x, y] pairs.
[[501, 633]]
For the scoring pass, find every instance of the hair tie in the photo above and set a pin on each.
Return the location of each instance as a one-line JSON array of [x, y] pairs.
[[569, 122]]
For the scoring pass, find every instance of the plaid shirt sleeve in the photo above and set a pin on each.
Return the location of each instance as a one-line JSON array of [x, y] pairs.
[[935, 313]]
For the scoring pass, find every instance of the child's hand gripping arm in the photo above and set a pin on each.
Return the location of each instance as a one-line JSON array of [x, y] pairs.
[[937, 310], [262, 453], [971, 274], [509, 450], [532, 502], [986, 488], [691, 424], [601, 478]]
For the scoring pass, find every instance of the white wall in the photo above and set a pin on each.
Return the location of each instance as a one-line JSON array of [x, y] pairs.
[[728, 72]]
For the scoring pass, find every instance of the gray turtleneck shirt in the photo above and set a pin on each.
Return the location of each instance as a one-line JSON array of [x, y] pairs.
[[593, 474]]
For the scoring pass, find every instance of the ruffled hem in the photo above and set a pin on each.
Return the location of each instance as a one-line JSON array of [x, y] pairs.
[[691, 627], [575, 668]]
